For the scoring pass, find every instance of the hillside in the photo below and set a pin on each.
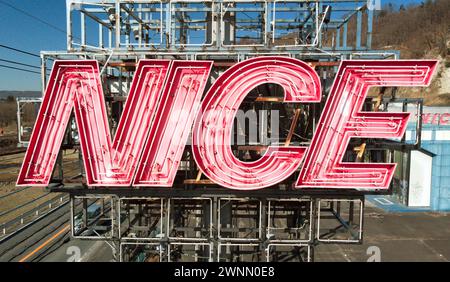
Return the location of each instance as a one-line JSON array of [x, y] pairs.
[[419, 31]]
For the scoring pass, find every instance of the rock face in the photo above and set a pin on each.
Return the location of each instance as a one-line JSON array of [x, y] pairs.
[[438, 93], [419, 31]]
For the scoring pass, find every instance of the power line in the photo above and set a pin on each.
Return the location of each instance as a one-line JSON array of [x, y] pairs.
[[23, 64], [33, 17], [9, 67], [18, 63], [18, 50]]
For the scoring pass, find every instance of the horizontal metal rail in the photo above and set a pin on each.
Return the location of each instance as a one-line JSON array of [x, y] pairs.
[[30, 216], [23, 205]]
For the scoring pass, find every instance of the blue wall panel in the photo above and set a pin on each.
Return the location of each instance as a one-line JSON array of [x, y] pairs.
[[440, 182]]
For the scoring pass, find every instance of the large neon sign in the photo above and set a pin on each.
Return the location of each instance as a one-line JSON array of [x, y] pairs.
[[164, 102]]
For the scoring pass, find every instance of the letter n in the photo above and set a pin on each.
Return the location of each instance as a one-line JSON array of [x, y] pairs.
[[75, 85]]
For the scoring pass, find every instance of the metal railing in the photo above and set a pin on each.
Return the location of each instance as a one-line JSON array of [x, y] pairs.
[[10, 227], [23, 205]]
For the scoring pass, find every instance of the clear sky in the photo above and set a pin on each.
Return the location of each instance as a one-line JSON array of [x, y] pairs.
[[29, 34]]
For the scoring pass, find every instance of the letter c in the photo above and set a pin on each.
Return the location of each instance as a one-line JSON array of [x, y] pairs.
[[213, 126]]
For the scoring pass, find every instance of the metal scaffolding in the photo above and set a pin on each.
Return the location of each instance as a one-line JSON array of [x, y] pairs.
[[213, 224], [193, 26]]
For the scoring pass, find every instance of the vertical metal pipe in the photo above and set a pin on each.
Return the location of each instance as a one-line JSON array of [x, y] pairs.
[[140, 25], [19, 131], [83, 29], [319, 10], [69, 23], [169, 32], [358, 29], [85, 211], [215, 222], [43, 73], [419, 124], [404, 109], [344, 36], [117, 16], [338, 38], [369, 28], [100, 36], [109, 38]]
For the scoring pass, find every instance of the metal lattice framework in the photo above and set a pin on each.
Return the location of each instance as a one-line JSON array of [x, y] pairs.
[[221, 25]]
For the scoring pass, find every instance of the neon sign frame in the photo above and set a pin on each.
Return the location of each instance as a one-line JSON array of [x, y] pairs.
[[165, 100]]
